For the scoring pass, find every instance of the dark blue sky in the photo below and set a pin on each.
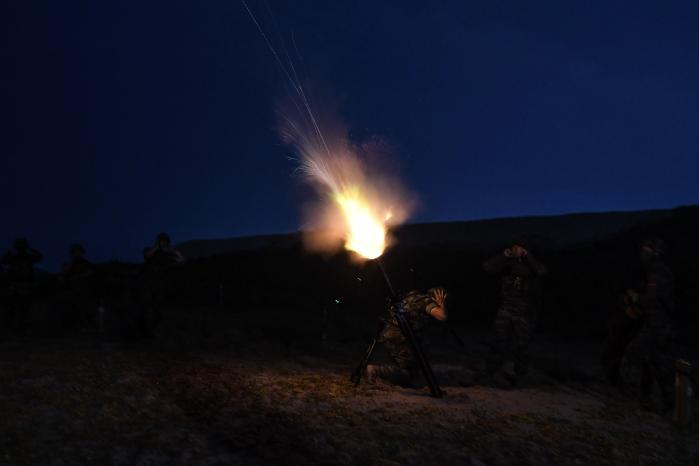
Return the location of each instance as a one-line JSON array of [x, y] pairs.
[[124, 118]]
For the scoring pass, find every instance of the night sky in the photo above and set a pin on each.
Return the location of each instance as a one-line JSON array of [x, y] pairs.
[[124, 118]]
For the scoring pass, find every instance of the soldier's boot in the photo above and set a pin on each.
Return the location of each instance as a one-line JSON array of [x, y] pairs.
[[370, 374], [506, 377], [521, 364], [645, 398], [614, 373], [646, 403], [508, 369], [391, 374], [417, 380], [668, 399]]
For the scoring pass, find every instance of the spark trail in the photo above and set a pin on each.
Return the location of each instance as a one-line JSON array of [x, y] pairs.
[[358, 203]]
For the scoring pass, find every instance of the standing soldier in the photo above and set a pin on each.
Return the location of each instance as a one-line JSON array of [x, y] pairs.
[[515, 320], [156, 281], [419, 308], [655, 304], [78, 302], [19, 262], [162, 254], [622, 327]]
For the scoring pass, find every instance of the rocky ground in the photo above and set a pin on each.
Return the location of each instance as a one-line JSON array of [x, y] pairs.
[[95, 400]]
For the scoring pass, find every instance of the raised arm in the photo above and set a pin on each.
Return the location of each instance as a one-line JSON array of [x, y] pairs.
[[537, 267], [148, 252], [179, 257], [35, 255], [496, 263], [438, 308]]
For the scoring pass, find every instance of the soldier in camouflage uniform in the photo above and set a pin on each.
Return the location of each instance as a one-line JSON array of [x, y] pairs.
[[515, 320], [156, 282], [420, 308], [655, 304], [76, 300], [622, 327], [19, 263]]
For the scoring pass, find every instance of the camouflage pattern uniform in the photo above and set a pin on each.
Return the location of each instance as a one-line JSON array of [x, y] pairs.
[[515, 320], [405, 369], [652, 346]]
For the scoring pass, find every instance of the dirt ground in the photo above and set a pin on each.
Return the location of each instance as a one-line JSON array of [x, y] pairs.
[[96, 400]]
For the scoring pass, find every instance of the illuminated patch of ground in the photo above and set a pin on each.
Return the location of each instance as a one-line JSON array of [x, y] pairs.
[[91, 402]]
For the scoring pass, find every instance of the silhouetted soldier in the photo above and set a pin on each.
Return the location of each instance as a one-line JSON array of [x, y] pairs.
[[19, 263], [515, 320], [622, 327], [420, 309], [162, 255], [78, 304], [655, 303], [157, 281]]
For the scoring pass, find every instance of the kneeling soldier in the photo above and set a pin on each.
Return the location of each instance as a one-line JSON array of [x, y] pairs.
[[419, 309]]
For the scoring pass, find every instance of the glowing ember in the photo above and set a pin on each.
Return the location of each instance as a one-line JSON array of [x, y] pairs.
[[365, 231]]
